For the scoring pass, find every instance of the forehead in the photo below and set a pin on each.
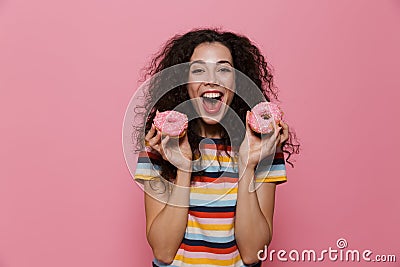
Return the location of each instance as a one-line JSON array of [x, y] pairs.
[[211, 52]]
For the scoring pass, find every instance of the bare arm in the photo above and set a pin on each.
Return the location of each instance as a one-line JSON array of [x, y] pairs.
[[255, 209], [254, 216], [166, 222], [166, 204]]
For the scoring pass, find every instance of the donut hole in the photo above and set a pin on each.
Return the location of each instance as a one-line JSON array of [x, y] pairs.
[[171, 119], [265, 116]]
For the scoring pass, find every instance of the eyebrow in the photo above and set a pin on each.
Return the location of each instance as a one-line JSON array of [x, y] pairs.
[[203, 62]]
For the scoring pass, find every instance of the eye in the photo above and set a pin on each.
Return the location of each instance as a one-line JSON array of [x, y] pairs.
[[194, 71], [224, 69]]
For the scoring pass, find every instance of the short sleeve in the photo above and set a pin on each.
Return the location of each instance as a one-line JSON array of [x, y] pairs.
[[275, 172], [148, 165]]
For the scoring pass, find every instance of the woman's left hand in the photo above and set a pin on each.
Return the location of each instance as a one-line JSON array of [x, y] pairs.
[[253, 148]]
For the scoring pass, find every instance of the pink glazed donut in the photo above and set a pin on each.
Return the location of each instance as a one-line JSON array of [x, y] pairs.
[[262, 115], [172, 123]]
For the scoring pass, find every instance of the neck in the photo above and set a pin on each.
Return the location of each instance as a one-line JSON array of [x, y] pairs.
[[209, 130]]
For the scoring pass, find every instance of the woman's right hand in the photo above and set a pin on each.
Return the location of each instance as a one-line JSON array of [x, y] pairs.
[[175, 150]]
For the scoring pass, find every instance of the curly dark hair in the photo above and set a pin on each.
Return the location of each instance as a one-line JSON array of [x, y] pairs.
[[247, 59]]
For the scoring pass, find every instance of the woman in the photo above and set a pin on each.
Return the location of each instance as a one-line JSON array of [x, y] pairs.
[[200, 202]]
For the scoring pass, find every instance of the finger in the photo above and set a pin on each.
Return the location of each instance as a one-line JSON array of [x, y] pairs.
[[150, 133], [275, 136], [285, 134], [163, 145], [269, 143], [247, 120], [284, 125], [184, 139], [278, 134], [155, 140], [164, 141]]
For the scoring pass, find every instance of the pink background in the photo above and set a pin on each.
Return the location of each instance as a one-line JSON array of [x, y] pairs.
[[69, 68]]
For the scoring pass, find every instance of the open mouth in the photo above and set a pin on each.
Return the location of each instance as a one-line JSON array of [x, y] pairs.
[[212, 101]]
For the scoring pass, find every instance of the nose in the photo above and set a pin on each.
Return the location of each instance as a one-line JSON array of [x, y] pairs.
[[211, 77]]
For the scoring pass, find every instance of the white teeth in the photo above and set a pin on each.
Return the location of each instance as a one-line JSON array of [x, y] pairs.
[[212, 95]]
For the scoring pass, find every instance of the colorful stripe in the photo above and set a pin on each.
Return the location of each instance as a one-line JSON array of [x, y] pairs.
[[209, 237]]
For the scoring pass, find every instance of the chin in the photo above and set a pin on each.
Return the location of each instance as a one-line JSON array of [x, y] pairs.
[[210, 121]]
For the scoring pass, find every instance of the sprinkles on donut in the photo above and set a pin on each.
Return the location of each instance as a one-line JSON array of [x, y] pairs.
[[263, 115], [171, 123]]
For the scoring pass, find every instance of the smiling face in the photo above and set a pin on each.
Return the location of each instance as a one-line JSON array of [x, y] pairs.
[[211, 81]]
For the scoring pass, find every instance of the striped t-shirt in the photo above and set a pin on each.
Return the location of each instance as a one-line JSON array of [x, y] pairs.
[[209, 237]]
